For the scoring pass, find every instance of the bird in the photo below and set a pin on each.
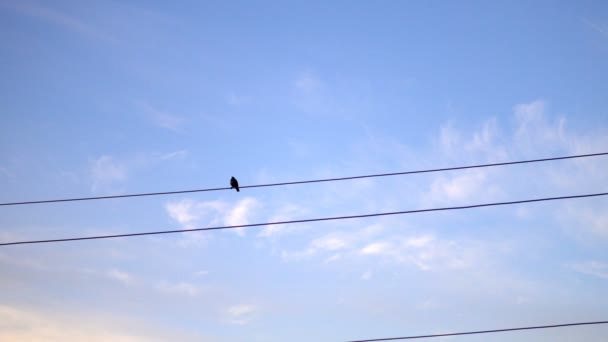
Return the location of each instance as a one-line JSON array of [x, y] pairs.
[[234, 184]]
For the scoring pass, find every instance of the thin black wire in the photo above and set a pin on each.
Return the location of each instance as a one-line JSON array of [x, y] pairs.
[[304, 220], [481, 332], [308, 181]]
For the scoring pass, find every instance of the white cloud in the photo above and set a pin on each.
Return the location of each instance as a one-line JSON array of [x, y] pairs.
[[594, 268], [168, 121], [487, 141], [193, 240], [240, 310], [528, 114], [311, 94], [174, 155], [192, 214], [597, 26], [367, 275], [590, 218], [462, 187], [182, 212], [161, 118], [483, 138], [531, 133], [426, 252], [335, 243], [240, 214], [241, 314], [307, 82], [237, 100], [284, 213], [58, 18], [453, 187], [121, 276], [419, 241], [377, 248], [6, 172], [328, 243], [450, 139], [535, 133], [180, 288], [332, 258], [106, 172]]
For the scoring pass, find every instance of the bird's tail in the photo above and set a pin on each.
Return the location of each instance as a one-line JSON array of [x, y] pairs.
[[237, 189]]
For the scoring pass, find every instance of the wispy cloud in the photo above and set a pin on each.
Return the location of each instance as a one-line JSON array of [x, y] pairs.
[[453, 143], [241, 314], [285, 213], [106, 172], [180, 288], [591, 218], [58, 18], [237, 100], [531, 132], [311, 93], [241, 213], [598, 27], [426, 252], [307, 82], [534, 130], [4, 171], [427, 304], [376, 248], [455, 189], [594, 268], [173, 155], [184, 212], [160, 118], [330, 243], [121, 276], [367, 275], [201, 273], [331, 246], [191, 213]]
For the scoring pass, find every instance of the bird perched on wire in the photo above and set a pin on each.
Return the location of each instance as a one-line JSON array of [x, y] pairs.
[[234, 184]]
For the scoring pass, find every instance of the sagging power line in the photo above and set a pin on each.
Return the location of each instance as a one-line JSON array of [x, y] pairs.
[[481, 332], [304, 220], [307, 181]]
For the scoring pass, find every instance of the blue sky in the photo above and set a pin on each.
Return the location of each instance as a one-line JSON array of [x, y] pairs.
[[103, 98]]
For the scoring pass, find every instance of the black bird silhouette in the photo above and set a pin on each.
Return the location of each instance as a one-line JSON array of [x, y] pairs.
[[234, 184]]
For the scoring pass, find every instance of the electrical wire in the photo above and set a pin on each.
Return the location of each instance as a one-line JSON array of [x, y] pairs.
[[481, 332], [308, 181], [304, 220]]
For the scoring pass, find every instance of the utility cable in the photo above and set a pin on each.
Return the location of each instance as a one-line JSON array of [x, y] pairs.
[[481, 332], [304, 220], [308, 181]]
